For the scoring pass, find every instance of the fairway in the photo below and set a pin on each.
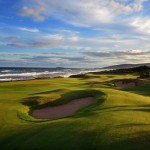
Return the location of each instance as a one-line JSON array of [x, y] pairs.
[[116, 118]]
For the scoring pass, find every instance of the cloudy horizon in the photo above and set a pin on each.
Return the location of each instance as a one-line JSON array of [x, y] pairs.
[[80, 33]]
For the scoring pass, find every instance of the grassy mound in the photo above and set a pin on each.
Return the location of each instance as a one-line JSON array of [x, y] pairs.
[[53, 98]]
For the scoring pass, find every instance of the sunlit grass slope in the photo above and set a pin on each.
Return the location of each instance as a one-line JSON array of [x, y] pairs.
[[116, 119]]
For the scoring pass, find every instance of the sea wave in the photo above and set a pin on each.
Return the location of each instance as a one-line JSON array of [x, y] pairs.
[[5, 71], [28, 74]]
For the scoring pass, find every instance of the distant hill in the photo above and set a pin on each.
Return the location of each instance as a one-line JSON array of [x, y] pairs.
[[124, 66], [60, 68], [142, 71]]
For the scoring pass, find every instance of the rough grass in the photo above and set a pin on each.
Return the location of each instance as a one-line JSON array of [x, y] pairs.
[[116, 119]]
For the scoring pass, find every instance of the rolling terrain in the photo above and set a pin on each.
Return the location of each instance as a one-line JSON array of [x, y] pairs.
[[117, 118]]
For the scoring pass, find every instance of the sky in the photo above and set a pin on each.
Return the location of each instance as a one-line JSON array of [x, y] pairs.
[[78, 33]]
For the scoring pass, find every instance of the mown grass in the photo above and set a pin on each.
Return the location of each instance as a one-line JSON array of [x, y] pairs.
[[116, 119]]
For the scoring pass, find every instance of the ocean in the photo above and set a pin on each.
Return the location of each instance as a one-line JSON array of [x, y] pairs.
[[13, 74]]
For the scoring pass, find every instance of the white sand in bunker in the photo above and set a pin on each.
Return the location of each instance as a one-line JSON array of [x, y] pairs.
[[61, 111]]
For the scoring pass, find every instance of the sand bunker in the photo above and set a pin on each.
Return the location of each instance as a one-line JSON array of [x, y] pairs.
[[62, 110], [129, 83], [125, 85]]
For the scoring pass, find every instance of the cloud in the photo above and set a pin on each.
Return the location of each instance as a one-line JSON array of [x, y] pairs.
[[78, 42], [119, 54], [141, 24], [119, 57], [108, 37], [37, 11], [33, 30], [4, 60], [43, 44], [90, 59], [54, 37], [58, 60], [80, 12], [77, 59], [20, 45]]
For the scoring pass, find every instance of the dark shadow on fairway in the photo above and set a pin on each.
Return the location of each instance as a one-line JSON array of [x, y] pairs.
[[141, 90], [132, 125], [136, 141], [136, 109], [144, 108], [72, 135], [56, 136]]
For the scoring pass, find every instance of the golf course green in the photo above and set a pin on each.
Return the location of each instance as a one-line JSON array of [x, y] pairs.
[[116, 119]]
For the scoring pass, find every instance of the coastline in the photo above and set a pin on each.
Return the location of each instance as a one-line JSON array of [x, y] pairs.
[[50, 77]]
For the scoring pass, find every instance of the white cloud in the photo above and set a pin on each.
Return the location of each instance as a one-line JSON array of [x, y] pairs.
[[54, 37], [86, 59], [33, 30], [141, 24], [118, 57], [78, 42], [74, 39], [80, 12], [38, 10]]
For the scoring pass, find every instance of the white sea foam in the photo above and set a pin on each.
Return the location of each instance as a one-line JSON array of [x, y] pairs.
[[6, 79], [28, 74], [5, 71]]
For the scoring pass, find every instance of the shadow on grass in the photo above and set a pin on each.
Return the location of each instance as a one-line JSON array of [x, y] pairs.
[[55, 136], [144, 108], [72, 135], [63, 98], [141, 90], [136, 141], [136, 109], [132, 125]]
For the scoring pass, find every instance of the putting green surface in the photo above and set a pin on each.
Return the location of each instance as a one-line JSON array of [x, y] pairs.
[[116, 119]]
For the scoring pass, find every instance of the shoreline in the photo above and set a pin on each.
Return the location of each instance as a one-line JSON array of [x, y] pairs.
[[59, 76]]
